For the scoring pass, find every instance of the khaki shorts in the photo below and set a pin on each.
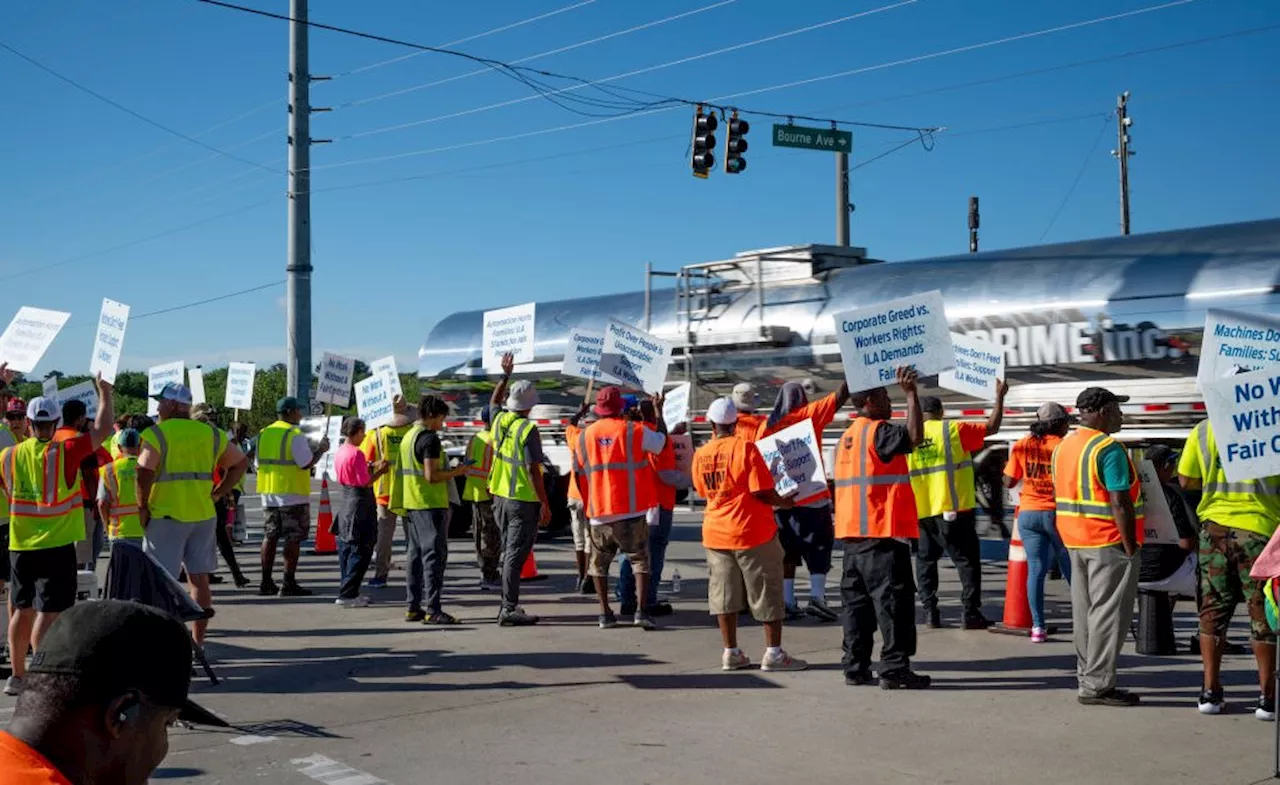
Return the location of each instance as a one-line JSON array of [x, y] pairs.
[[579, 524], [630, 536], [750, 578]]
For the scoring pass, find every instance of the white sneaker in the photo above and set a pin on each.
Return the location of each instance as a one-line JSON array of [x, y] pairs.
[[13, 686], [782, 662], [734, 661], [362, 601]]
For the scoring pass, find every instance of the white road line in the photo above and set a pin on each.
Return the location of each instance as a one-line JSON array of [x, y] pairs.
[[331, 772], [245, 741]]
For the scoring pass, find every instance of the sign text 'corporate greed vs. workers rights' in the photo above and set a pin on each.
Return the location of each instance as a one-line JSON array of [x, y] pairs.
[[634, 357], [582, 355], [979, 364], [876, 340], [109, 344], [508, 330], [1235, 342], [1245, 413]]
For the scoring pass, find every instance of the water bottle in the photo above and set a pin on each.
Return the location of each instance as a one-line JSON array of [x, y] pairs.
[[675, 581]]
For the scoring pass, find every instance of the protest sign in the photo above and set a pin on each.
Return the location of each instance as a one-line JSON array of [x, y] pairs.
[[1245, 413], [334, 384], [682, 446], [582, 354], [314, 428], [876, 340], [195, 380], [373, 401], [85, 392], [978, 364], [28, 337], [675, 409], [49, 388], [634, 357], [1157, 524], [1236, 342], [508, 330], [792, 457], [388, 365], [157, 377], [239, 386], [109, 344]]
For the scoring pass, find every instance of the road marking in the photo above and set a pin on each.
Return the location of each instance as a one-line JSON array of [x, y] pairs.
[[331, 772], [246, 741]]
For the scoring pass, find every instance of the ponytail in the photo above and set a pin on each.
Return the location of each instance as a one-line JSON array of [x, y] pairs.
[[1042, 428]]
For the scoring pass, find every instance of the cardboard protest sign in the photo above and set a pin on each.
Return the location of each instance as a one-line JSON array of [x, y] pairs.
[[373, 401], [1237, 342], [85, 392], [508, 330], [634, 357], [1245, 413], [28, 337], [793, 458], [160, 375], [582, 355], [387, 365], [314, 429], [195, 380], [682, 446], [1158, 522], [109, 344], [49, 388], [978, 364], [876, 340], [334, 383], [239, 386], [675, 409]]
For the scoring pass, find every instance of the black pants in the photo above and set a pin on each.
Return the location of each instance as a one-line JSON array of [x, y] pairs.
[[519, 524], [225, 546], [353, 560], [959, 540], [877, 591], [428, 541], [807, 535]]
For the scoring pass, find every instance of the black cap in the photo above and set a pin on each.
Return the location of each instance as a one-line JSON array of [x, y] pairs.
[[931, 404], [288, 404], [117, 646], [1094, 398]]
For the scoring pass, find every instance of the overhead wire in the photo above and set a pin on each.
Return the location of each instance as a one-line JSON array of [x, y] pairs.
[[1088, 159]]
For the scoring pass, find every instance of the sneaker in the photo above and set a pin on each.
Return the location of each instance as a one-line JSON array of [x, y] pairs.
[[819, 610], [935, 619], [860, 678], [516, 618], [1265, 709], [782, 662], [1111, 698], [440, 619], [905, 679], [587, 586], [976, 621], [644, 622], [608, 621], [242, 582], [415, 616], [734, 661], [1038, 635], [487, 585], [292, 589], [268, 588], [353, 602], [661, 609], [13, 685], [214, 580], [794, 613], [1211, 702], [378, 583]]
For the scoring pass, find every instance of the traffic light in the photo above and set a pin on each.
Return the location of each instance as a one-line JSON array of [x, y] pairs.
[[735, 144], [704, 143]]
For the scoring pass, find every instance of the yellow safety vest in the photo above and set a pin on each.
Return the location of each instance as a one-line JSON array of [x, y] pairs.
[[278, 473], [387, 440], [113, 445], [510, 478], [941, 471], [480, 451], [120, 479], [7, 440], [418, 493], [1252, 505], [189, 451], [45, 511]]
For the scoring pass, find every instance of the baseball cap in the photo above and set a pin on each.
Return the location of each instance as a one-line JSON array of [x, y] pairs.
[[609, 402], [1050, 411], [522, 397], [1094, 398], [201, 411], [288, 404], [1161, 455], [744, 397], [129, 438], [17, 406], [43, 409], [116, 646], [722, 412], [931, 404], [173, 391]]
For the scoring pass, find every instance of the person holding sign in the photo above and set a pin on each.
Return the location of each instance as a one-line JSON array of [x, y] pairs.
[[488, 538], [285, 459], [875, 516], [945, 488], [1237, 519], [1099, 516], [384, 445]]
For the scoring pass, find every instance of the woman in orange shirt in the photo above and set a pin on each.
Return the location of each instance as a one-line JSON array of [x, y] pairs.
[[1031, 463]]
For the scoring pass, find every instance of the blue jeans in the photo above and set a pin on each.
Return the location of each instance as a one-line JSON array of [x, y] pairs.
[[1039, 532], [659, 536]]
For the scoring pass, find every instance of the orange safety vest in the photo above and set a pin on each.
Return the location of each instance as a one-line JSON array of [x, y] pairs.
[[572, 435], [873, 498], [612, 459], [1083, 505]]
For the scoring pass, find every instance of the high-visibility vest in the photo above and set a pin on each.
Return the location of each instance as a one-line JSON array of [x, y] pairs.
[[7, 440], [240, 482], [386, 441], [510, 477], [571, 434], [189, 451], [1082, 502], [873, 498], [113, 445], [941, 471], [418, 493], [120, 479], [278, 473], [476, 488], [45, 511], [619, 477], [1252, 505]]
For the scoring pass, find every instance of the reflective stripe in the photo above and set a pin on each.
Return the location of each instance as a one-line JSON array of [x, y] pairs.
[[948, 452], [126, 510], [879, 479], [1087, 509], [1086, 461], [51, 473], [515, 463], [111, 482], [965, 464], [51, 510], [274, 462], [1202, 439], [180, 476], [1254, 487]]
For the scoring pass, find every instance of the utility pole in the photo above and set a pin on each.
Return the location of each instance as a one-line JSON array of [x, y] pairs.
[[974, 221], [298, 265], [1122, 152], [843, 208]]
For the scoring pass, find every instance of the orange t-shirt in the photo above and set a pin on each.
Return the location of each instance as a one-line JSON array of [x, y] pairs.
[[748, 425], [1031, 461], [21, 765], [822, 412], [726, 472]]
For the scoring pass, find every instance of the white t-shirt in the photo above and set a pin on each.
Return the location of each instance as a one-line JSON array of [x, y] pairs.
[[652, 443], [302, 457]]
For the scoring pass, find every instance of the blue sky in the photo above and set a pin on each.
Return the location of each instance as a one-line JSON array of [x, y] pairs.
[[81, 177]]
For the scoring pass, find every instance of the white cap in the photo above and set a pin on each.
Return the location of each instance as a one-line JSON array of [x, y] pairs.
[[745, 397], [43, 409], [722, 412], [522, 396]]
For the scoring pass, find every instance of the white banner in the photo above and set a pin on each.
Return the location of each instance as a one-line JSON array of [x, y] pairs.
[[239, 386], [195, 380], [160, 375], [1236, 342], [388, 365], [28, 337], [109, 344], [1157, 522], [582, 354], [49, 387], [373, 401], [793, 458], [84, 391], [1245, 413], [978, 364], [675, 409], [334, 384], [876, 340], [634, 357], [508, 330]]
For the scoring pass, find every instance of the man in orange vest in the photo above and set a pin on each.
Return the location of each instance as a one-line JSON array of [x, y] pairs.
[[1098, 497], [875, 516]]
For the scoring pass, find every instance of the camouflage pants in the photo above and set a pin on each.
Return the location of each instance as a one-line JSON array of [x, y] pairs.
[[488, 539], [1226, 556]]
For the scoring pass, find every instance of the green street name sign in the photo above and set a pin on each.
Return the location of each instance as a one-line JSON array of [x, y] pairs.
[[827, 139]]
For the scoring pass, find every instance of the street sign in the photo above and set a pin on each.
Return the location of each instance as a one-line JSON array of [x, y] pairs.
[[828, 139]]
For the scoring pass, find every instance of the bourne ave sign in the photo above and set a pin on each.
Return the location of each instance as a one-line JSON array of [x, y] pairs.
[[828, 139]]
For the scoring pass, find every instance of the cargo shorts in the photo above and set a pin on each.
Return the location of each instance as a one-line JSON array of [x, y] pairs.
[[1226, 557], [630, 536], [291, 524]]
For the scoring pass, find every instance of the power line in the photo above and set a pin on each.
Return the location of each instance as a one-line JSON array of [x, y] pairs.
[[1088, 159], [208, 300]]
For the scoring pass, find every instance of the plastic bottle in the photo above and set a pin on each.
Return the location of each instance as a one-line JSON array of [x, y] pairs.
[[675, 581]]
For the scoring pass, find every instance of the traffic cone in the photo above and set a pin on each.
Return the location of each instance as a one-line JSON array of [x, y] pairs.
[[1017, 610], [324, 541], [530, 570]]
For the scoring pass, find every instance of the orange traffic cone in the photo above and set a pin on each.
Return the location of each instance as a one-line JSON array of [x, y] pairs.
[[324, 541], [1017, 610], [530, 570]]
